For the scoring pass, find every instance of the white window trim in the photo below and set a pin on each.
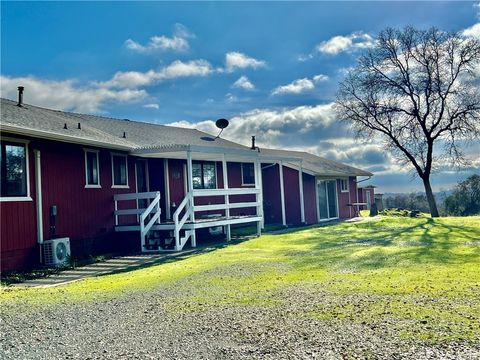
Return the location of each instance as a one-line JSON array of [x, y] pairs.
[[241, 171], [348, 186], [27, 175], [87, 185], [112, 154]]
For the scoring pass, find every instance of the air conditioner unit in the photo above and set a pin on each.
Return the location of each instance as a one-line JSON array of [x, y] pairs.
[[56, 252]]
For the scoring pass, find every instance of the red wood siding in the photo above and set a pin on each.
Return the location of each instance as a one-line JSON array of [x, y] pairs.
[[235, 181], [18, 226], [84, 214], [309, 198], [272, 205], [156, 178], [272, 197], [343, 201], [176, 180], [292, 196]]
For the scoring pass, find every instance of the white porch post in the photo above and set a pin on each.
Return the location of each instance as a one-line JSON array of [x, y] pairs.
[[227, 199], [258, 197], [260, 182], [300, 185], [166, 172], [190, 194], [282, 193]]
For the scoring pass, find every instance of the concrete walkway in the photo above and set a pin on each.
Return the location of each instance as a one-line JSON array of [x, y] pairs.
[[102, 268]]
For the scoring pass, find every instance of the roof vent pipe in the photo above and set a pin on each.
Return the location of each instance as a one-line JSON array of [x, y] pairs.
[[20, 96], [79, 126], [254, 147], [124, 135]]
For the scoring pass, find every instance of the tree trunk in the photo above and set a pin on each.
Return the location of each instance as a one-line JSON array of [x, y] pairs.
[[430, 198]]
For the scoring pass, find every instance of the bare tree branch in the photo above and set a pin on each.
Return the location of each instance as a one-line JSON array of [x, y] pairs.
[[417, 90]]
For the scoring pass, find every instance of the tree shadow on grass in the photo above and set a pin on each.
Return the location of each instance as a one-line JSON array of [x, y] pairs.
[[369, 246]]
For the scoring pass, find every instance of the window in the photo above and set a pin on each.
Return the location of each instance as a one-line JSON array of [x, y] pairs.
[[248, 174], [344, 185], [119, 171], [92, 173], [204, 175], [13, 169]]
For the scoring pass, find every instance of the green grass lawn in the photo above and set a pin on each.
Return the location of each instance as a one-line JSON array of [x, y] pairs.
[[420, 274]]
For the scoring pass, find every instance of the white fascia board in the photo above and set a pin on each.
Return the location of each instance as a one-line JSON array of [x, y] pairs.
[[196, 149], [47, 135], [159, 150], [223, 150]]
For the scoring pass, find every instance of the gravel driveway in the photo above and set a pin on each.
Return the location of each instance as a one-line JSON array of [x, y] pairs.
[[164, 324]]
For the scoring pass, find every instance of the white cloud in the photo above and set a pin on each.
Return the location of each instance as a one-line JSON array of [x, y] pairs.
[[237, 60], [178, 42], [295, 87], [320, 77], [276, 127], [339, 43], [476, 7], [177, 69], [473, 31], [244, 83], [180, 69], [66, 94], [152, 106]]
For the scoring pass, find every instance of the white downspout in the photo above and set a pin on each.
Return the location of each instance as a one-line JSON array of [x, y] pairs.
[[38, 192]]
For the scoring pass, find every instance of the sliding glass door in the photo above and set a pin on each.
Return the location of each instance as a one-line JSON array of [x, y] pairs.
[[327, 199]]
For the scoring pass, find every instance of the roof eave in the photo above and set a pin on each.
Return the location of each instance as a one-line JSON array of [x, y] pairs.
[[47, 135]]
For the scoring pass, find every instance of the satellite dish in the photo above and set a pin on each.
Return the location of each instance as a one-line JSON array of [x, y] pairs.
[[221, 124]]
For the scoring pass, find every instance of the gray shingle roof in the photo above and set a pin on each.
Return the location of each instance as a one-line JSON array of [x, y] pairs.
[[139, 135], [108, 132], [319, 165]]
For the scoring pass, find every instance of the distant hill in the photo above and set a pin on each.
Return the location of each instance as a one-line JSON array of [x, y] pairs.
[[439, 195]]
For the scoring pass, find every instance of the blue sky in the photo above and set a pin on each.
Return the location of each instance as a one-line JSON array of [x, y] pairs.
[[272, 68]]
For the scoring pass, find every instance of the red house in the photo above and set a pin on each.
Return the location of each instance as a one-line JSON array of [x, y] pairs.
[[106, 184]]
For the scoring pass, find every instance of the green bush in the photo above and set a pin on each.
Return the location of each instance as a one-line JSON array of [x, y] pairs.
[[465, 200]]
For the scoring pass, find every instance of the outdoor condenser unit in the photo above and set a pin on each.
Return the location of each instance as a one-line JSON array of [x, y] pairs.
[[56, 252]]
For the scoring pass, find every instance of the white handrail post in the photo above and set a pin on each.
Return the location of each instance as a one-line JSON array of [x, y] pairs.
[[227, 198], [190, 194], [158, 205], [142, 231], [300, 185], [282, 193]]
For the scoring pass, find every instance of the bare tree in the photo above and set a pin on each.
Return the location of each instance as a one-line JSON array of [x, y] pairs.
[[419, 91]]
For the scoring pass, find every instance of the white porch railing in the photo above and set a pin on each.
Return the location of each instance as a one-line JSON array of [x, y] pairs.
[[186, 205], [147, 217], [184, 222], [189, 208]]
